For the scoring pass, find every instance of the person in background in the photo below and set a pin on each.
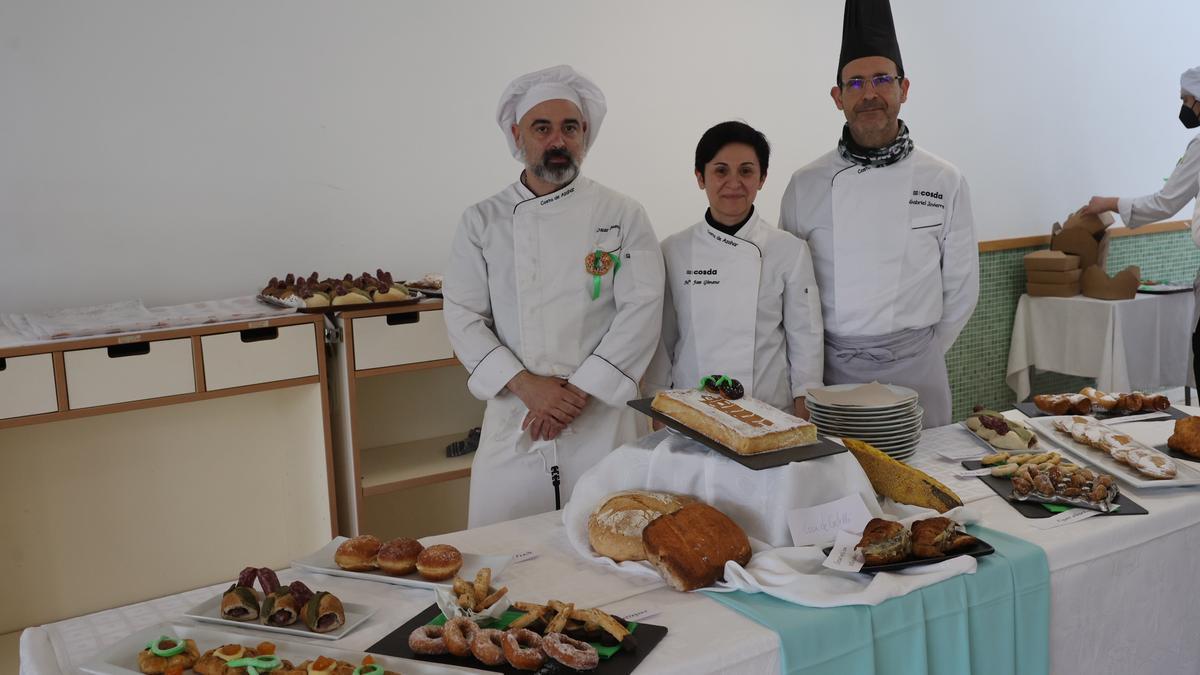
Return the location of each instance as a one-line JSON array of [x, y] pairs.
[[553, 302], [741, 296], [889, 226], [1181, 187]]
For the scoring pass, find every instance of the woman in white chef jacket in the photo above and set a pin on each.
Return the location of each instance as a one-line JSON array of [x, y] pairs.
[[741, 297], [1181, 187]]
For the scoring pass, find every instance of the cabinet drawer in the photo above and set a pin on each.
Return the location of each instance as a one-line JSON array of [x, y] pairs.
[[258, 355], [397, 339], [130, 372], [27, 386]]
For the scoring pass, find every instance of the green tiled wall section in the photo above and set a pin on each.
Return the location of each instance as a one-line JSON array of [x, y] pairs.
[[979, 359]]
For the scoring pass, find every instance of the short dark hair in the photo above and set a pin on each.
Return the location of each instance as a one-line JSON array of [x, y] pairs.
[[732, 132]]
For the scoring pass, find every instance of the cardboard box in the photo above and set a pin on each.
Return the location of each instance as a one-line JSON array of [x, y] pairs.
[[1094, 225], [1053, 290], [1121, 286], [1091, 249], [1053, 277], [1051, 261]]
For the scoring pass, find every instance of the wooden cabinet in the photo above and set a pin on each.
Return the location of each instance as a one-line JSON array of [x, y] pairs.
[[147, 451], [399, 399], [27, 386]]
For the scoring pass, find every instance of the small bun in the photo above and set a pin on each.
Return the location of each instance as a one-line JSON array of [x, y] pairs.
[[399, 556], [439, 562], [358, 554]]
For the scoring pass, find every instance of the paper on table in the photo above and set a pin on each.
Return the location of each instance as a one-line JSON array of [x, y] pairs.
[[1064, 518], [844, 556], [821, 524], [873, 394]]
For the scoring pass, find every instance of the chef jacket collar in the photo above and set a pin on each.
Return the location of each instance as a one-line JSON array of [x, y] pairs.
[[559, 196]]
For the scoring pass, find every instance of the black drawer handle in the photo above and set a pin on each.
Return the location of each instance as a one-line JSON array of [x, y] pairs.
[[403, 318], [131, 349], [3, 364], [260, 334]]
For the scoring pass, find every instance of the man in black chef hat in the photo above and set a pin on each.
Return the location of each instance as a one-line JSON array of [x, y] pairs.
[[889, 226]]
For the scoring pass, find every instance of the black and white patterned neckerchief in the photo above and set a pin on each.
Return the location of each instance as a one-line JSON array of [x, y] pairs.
[[875, 157]]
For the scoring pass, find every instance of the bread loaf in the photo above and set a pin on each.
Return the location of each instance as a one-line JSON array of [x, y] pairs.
[[691, 546], [615, 527]]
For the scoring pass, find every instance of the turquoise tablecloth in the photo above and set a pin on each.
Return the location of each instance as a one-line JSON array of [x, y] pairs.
[[994, 621]]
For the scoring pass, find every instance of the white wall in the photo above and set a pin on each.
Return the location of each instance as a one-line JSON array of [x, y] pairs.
[[178, 151]]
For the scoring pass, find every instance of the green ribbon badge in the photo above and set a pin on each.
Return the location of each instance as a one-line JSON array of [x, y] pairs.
[[598, 263]]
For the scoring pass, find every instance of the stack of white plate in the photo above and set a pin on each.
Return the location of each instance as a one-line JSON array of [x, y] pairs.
[[895, 428]]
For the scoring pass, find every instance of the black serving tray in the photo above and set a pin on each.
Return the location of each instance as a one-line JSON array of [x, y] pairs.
[[978, 550], [621, 663], [1003, 487], [1031, 410], [766, 460]]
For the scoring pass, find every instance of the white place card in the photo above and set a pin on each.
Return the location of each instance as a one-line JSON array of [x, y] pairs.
[[524, 556], [985, 471], [639, 615], [959, 454], [1064, 518], [844, 557], [820, 524]]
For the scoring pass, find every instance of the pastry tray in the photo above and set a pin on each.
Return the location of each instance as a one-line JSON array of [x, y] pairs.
[[1187, 473], [766, 460], [334, 309], [620, 663], [1003, 487], [977, 550], [1165, 289], [1030, 410]]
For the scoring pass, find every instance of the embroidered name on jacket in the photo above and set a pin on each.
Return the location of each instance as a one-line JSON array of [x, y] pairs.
[[551, 200], [927, 198]]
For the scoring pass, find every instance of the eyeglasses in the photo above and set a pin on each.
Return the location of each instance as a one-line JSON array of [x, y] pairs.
[[878, 82]]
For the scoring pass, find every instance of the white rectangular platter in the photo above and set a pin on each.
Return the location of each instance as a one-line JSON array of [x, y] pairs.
[[1186, 474], [209, 611], [121, 658], [322, 561]]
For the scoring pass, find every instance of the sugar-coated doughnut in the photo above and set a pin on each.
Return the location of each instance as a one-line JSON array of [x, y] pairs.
[[486, 646], [458, 634], [428, 640], [399, 556], [523, 649], [358, 554], [439, 562], [570, 652]]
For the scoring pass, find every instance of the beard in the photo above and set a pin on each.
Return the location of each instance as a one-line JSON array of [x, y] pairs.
[[556, 174], [877, 131]]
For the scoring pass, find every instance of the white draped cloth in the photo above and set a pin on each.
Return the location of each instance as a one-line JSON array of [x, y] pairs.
[[759, 502], [1143, 343]]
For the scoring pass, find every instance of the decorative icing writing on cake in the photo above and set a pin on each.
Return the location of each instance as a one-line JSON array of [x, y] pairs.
[[734, 410]]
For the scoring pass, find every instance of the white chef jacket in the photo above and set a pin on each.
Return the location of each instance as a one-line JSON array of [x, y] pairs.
[[894, 247], [1180, 188], [745, 306], [517, 296]]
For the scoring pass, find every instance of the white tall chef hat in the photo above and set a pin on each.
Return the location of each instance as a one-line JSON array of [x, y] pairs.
[[1189, 81], [563, 82]]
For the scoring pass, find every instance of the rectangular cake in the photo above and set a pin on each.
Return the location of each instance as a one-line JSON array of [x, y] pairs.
[[747, 425]]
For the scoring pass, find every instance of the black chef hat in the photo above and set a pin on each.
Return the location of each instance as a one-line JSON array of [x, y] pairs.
[[868, 30]]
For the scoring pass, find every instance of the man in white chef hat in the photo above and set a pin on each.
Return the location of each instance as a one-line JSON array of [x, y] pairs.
[[553, 302], [1181, 187], [889, 227]]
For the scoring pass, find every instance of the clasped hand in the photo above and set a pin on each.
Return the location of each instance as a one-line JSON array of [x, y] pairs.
[[552, 401]]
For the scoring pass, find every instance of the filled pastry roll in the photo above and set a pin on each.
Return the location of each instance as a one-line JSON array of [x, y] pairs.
[[239, 603], [323, 613], [884, 541], [280, 608]]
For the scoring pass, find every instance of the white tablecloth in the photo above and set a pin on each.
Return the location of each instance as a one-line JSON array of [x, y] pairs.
[[1123, 594], [1143, 343]]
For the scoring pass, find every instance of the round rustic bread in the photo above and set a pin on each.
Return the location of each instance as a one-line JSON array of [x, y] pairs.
[[615, 527]]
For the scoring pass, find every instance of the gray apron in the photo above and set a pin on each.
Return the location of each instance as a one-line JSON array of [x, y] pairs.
[[909, 358]]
